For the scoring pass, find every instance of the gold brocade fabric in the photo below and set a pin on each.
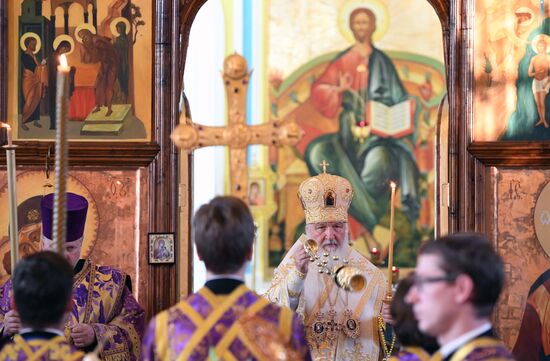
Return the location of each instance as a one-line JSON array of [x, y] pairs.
[[320, 295], [55, 349], [325, 198]]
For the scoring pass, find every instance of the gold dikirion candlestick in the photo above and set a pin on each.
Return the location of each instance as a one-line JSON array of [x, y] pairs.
[[61, 155], [389, 292]]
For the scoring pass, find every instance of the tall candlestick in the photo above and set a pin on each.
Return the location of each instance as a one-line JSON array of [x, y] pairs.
[[390, 250], [61, 155], [12, 199]]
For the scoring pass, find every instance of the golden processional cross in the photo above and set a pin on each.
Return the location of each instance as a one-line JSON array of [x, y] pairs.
[[237, 135]]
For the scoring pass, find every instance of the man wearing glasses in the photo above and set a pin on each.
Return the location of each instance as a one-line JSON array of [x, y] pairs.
[[457, 283]]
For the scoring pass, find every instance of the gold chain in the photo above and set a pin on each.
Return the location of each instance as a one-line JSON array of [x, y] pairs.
[[381, 328]]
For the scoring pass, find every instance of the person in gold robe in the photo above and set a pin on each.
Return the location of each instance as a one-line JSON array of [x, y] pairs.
[[340, 325], [42, 287], [225, 320]]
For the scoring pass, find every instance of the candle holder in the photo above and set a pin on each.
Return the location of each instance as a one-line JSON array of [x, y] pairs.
[[395, 275], [12, 202], [375, 256]]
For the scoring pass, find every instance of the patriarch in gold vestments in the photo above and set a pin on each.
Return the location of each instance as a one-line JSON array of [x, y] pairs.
[[340, 325]]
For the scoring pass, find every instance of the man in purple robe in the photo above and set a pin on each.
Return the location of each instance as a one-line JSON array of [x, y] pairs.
[[457, 282], [225, 320], [42, 286], [104, 311]]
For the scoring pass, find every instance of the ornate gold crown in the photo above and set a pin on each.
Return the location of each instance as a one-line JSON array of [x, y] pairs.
[[325, 198]]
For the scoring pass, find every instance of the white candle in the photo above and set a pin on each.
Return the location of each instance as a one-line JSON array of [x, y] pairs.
[[8, 131], [12, 199], [61, 155]]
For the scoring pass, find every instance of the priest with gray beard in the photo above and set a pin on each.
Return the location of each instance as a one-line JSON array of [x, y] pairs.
[[340, 325]]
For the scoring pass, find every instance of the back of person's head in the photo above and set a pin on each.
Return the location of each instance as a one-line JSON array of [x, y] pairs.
[[42, 288], [404, 323], [473, 255], [223, 230]]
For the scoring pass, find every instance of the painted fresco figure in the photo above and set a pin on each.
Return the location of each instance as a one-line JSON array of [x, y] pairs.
[[32, 84], [104, 311], [122, 47], [538, 70], [531, 90], [533, 343], [53, 62], [357, 75], [100, 49]]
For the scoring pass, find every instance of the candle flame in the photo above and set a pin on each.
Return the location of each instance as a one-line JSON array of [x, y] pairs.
[[394, 269], [63, 61], [393, 185]]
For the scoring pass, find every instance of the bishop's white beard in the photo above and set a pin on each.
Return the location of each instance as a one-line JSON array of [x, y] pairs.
[[341, 251]]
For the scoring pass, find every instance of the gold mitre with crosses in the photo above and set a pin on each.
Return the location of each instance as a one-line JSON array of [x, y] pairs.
[[325, 197]]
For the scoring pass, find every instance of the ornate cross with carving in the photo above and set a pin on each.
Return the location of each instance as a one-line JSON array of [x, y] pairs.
[[236, 135]]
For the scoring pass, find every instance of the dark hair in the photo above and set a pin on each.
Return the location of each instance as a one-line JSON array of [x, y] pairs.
[[367, 11], [28, 40], [64, 43], [473, 255], [42, 287], [405, 325], [224, 234]]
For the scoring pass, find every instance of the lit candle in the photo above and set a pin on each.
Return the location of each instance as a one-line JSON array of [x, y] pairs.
[[61, 155], [12, 199], [8, 134], [395, 274], [390, 250], [375, 254]]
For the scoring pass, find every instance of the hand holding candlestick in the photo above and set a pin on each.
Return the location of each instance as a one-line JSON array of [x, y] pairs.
[[12, 199]]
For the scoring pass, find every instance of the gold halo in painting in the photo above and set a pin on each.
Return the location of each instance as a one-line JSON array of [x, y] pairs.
[[30, 35], [114, 23], [536, 39], [376, 6], [542, 218], [27, 188], [82, 27], [63, 37]]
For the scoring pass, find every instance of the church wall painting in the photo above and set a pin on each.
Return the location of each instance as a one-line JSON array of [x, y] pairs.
[[405, 78], [108, 45], [511, 67], [117, 203], [519, 219]]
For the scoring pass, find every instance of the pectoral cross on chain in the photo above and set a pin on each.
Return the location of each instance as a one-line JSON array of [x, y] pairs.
[[236, 135]]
